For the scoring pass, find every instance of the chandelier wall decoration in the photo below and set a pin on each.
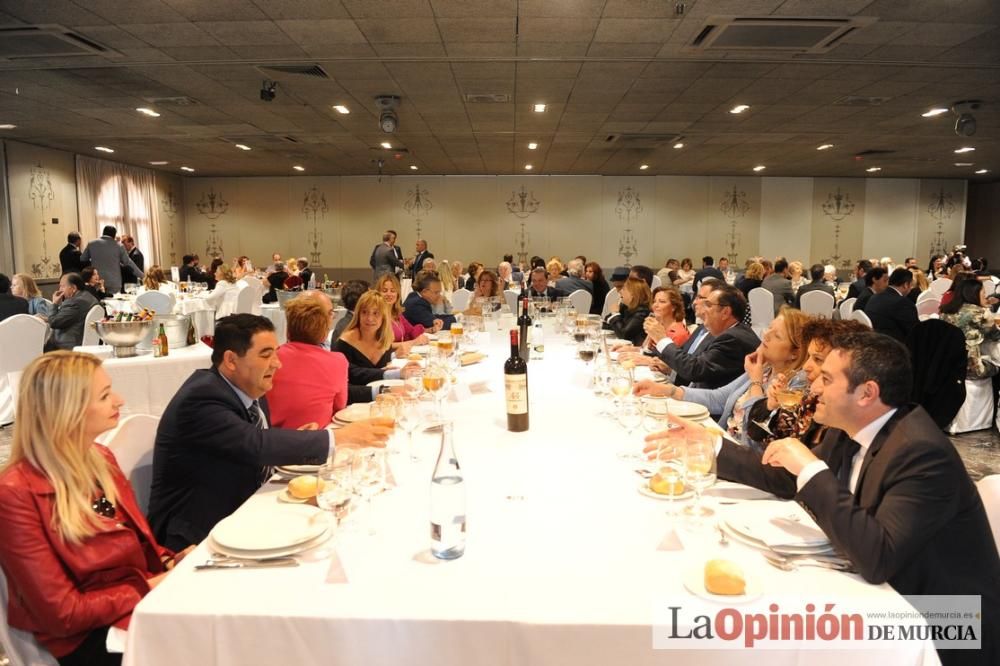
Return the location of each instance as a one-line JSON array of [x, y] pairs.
[[734, 205], [838, 207], [212, 206], [168, 204], [522, 205], [42, 195], [314, 206], [628, 209], [941, 209], [418, 204]]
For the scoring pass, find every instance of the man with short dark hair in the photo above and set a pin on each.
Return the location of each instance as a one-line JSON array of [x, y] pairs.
[[817, 272], [707, 270], [858, 286], [68, 314], [911, 262], [540, 288], [214, 446], [422, 255], [644, 273], [384, 257], [191, 270], [779, 285], [108, 257], [876, 281], [574, 278], [349, 295], [418, 308], [10, 304], [136, 256], [69, 256], [890, 310]]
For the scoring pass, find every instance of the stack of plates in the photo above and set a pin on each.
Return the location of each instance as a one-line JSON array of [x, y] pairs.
[[270, 531], [359, 411], [783, 527], [292, 471], [688, 410]]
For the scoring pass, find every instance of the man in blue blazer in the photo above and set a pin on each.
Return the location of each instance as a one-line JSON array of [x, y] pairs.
[[418, 308]]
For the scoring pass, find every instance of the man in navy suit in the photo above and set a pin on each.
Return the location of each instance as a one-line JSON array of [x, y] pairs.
[[214, 445], [890, 310], [418, 308], [420, 256]]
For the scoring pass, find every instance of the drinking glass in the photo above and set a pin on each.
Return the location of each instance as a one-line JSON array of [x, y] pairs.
[[699, 461], [415, 381], [620, 385], [334, 488], [789, 398], [386, 406], [435, 380], [457, 330], [409, 419], [630, 418], [655, 412], [669, 463], [369, 478], [586, 351]]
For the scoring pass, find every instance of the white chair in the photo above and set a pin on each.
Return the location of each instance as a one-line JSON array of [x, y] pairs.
[[761, 309], [157, 301], [924, 295], [847, 307], [339, 313], [989, 491], [132, 443], [20, 647], [817, 303], [977, 410], [929, 307], [614, 296], [940, 286], [90, 336], [21, 340], [859, 315], [581, 300], [228, 305], [460, 300], [248, 300], [510, 297], [656, 282], [251, 281]]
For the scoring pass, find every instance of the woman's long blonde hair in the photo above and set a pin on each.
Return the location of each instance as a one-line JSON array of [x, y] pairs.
[[447, 279], [53, 396], [396, 311], [29, 285], [369, 299]]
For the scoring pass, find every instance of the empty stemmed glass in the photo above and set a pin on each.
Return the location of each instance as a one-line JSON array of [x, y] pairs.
[[334, 488], [409, 420], [630, 418], [671, 469], [369, 472], [415, 381], [699, 463]]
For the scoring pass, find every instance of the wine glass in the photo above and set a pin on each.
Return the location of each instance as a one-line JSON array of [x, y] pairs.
[[630, 418], [789, 398], [386, 406], [457, 330], [435, 380], [409, 420], [369, 478], [620, 386], [670, 468], [699, 462], [334, 488], [586, 351], [655, 412], [415, 381]]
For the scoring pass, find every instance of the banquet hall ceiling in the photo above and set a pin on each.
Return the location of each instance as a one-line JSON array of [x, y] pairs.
[[621, 79]]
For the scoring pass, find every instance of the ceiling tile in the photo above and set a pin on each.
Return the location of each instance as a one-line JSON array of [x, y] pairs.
[[476, 29], [302, 9], [556, 30], [474, 8], [410, 50], [171, 34], [388, 9], [561, 8], [245, 33], [634, 29], [217, 10], [399, 30], [480, 50], [323, 31], [552, 50], [628, 50]]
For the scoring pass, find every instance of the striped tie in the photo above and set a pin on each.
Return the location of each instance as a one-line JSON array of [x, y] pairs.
[[257, 419]]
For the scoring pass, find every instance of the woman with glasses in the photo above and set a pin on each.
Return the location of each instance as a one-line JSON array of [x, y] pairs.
[[75, 548], [487, 290]]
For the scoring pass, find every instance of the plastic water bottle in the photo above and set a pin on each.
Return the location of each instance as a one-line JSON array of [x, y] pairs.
[[537, 339], [447, 501]]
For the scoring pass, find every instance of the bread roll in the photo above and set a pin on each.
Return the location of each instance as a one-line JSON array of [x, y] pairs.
[[724, 577], [661, 486], [414, 357], [303, 487]]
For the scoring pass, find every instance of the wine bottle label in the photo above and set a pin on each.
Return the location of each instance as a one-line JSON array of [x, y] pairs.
[[516, 390]]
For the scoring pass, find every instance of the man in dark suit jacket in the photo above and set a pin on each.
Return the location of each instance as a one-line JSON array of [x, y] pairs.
[[858, 286], [128, 277], [890, 310], [69, 256], [540, 286], [708, 270], [816, 272], [720, 361], [419, 257], [876, 281], [418, 308], [190, 270], [68, 314], [779, 285], [10, 304], [214, 446]]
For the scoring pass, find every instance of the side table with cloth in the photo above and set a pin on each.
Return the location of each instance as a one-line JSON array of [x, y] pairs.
[[563, 562]]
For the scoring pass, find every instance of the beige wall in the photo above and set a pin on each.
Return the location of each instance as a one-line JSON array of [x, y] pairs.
[[467, 217], [171, 214]]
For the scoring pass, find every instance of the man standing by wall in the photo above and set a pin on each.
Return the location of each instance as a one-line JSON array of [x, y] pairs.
[[109, 258], [384, 258], [136, 256], [69, 257]]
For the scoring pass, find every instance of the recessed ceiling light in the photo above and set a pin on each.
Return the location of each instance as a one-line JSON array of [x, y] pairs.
[[104, 149], [759, 167], [159, 163], [413, 167], [528, 167], [340, 108], [825, 146], [739, 108], [7, 126], [387, 145], [982, 171], [147, 112], [532, 145], [299, 168], [539, 108], [643, 167], [934, 112], [243, 146], [873, 169], [678, 145], [964, 149], [964, 164], [188, 169]]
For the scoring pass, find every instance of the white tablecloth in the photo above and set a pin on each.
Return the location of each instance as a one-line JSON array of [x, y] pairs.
[[148, 383], [561, 564]]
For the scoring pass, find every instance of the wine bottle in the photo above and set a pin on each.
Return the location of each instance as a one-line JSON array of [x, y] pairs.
[[524, 329], [447, 501], [515, 376]]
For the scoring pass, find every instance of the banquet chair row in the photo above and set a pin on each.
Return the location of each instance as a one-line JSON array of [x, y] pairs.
[[20, 646], [761, 309], [818, 304], [460, 299], [22, 338], [847, 307]]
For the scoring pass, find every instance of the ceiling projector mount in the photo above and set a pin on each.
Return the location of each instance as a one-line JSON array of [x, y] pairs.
[[965, 124], [388, 121]]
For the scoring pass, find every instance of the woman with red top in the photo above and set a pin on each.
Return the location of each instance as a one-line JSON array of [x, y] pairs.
[[404, 334], [75, 548], [311, 385]]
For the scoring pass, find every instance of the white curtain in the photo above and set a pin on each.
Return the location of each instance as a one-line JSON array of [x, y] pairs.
[[120, 195]]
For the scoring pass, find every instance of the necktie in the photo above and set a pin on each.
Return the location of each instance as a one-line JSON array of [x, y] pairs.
[[257, 419], [849, 449]]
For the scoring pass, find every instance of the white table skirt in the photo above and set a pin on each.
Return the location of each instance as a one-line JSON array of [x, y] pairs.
[[274, 312], [567, 575], [146, 383]]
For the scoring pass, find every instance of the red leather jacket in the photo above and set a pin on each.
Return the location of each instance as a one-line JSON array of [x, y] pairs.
[[61, 592]]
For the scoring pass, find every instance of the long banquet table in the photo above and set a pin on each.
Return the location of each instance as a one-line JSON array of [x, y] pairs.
[[562, 564]]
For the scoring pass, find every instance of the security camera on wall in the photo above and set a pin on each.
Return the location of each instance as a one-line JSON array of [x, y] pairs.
[[388, 121], [965, 124]]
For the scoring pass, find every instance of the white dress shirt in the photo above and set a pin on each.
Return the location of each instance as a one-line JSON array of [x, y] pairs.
[[864, 438]]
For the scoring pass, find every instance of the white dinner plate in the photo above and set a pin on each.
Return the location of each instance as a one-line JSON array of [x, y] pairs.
[[688, 410], [270, 527], [646, 491], [386, 382], [423, 350], [776, 523], [288, 498], [277, 552], [359, 411], [298, 470], [694, 581], [781, 550]]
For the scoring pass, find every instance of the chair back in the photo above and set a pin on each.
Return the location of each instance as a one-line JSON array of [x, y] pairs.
[[859, 315], [614, 296], [817, 303], [761, 309], [924, 295], [21, 340], [581, 300], [90, 336], [254, 282], [510, 297], [132, 443], [248, 300], [847, 307], [940, 286], [229, 303], [657, 282], [157, 301], [928, 307], [460, 299], [989, 491], [20, 647], [939, 357]]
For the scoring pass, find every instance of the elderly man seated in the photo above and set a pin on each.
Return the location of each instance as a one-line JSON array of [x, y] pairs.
[[418, 308], [70, 305]]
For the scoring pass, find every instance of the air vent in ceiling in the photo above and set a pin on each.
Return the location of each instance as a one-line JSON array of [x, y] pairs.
[[45, 41], [874, 152], [314, 71], [289, 139], [639, 141], [858, 100], [181, 100], [802, 35], [486, 98]]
